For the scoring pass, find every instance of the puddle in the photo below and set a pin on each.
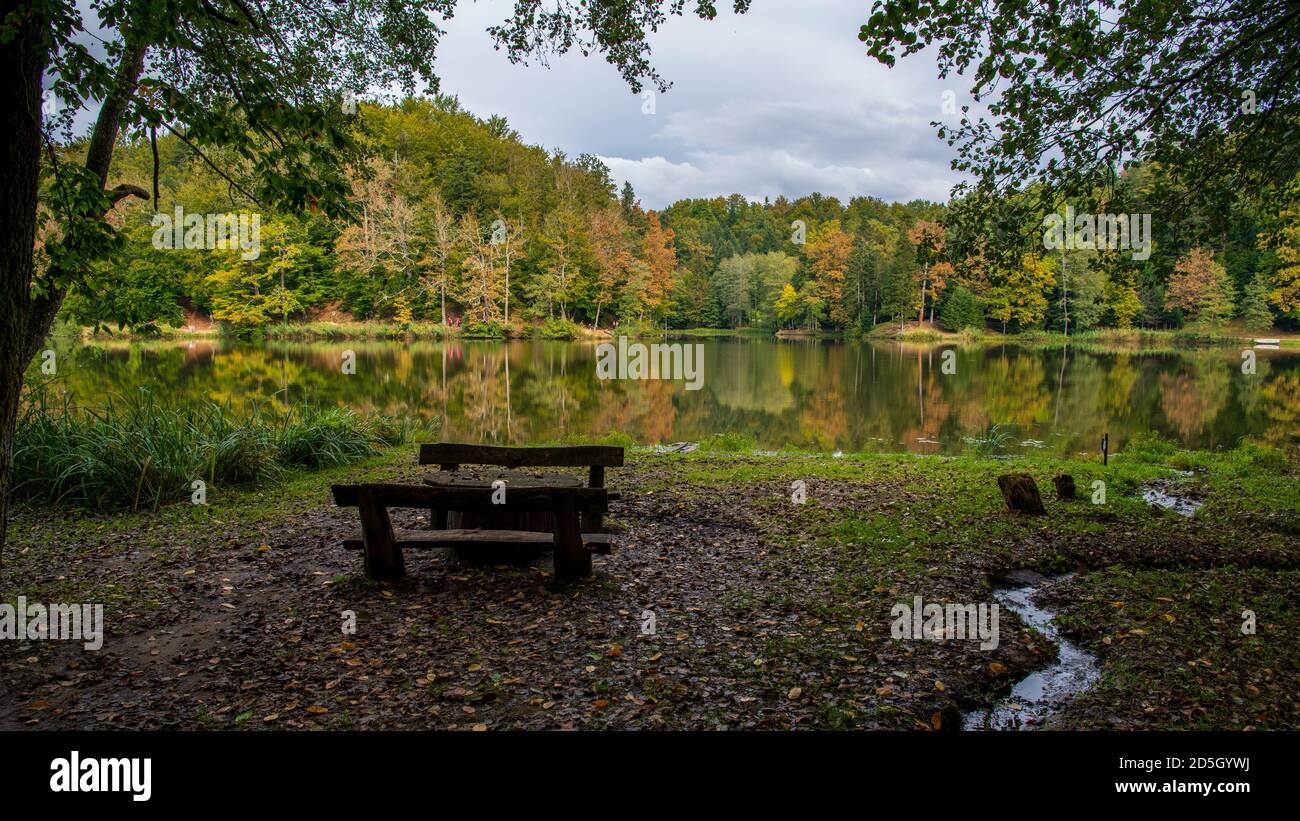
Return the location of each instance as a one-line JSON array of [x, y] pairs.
[[1039, 695], [1159, 493]]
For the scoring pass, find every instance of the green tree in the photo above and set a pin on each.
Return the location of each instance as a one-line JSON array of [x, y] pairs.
[[1254, 306], [961, 310]]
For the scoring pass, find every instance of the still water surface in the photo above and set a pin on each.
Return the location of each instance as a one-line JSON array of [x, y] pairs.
[[816, 395]]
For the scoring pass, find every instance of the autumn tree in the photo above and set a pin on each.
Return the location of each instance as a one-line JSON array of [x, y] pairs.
[[661, 263], [827, 251], [481, 285], [611, 246], [1200, 286], [928, 239], [439, 244]]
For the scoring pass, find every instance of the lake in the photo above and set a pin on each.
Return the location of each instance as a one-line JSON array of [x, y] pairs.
[[816, 395]]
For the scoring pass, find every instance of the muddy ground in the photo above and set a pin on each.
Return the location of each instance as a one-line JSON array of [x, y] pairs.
[[766, 614]]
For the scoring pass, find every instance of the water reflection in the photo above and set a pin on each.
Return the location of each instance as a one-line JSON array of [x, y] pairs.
[[816, 395]]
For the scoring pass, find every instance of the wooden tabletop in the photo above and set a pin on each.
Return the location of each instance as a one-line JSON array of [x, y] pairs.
[[513, 478]]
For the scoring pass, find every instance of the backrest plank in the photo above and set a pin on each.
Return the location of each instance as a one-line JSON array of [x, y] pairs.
[[447, 453]]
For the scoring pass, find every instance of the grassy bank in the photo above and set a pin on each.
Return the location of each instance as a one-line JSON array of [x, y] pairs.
[[136, 452], [1105, 340], [1100, 340], [769, 614]]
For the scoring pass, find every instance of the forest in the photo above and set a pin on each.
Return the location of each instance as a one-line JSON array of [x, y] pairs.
[[455, 219]]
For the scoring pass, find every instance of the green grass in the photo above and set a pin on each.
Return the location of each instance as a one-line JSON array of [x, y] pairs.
[[135, 452], [359, 330]]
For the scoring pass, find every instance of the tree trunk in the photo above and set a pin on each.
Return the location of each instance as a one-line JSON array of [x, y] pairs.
[[925, 280], [1065, 296], [22, 59]]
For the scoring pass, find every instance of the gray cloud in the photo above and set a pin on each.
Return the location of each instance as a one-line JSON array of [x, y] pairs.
[[780, 101]]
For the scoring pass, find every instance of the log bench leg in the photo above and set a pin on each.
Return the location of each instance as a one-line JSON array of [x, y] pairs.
[[383, 559], [593, 522], [437, 519], [572, 559]]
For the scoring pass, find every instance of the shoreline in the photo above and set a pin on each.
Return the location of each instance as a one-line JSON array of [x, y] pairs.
[[1140, 341]]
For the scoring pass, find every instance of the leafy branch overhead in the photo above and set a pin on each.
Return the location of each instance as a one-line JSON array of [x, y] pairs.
[[1075, 90]]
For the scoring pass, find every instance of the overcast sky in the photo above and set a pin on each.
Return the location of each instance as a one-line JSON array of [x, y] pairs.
[[780, 100]]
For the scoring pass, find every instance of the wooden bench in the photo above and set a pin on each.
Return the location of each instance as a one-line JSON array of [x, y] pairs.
[[383, 545], [596, 458]]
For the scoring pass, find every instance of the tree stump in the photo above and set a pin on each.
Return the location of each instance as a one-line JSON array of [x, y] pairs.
[[1020, 493], [1064, 486]]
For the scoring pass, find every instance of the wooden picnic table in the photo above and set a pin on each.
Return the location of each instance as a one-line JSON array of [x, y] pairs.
[[542, 521], [540, 510]]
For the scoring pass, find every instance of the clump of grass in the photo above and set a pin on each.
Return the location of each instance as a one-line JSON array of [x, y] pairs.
[[617, 439], [730, 442], [134, 452], [1149, 447], [559, 329], [992, 441], [311, 438], [483, 330]]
